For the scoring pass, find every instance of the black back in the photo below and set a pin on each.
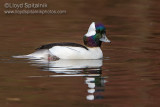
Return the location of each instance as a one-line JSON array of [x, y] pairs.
[[48, 46]]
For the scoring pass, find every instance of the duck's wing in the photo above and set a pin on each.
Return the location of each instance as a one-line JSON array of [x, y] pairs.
[[49, 46], [69, 52]]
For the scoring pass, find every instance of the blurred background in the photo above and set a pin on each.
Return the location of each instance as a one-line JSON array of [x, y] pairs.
[[130, 70]]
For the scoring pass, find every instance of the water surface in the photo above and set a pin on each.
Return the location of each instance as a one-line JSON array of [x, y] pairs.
[[128, 76]]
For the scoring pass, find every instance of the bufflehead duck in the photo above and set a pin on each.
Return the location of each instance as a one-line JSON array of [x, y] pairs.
[[92, 39]]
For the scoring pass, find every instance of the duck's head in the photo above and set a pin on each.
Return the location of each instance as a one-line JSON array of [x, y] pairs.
[[96, 35]]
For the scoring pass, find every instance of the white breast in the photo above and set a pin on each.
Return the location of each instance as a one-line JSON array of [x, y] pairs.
[[68, 52]]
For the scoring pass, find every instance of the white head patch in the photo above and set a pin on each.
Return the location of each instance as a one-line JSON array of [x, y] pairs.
[[91, 30]]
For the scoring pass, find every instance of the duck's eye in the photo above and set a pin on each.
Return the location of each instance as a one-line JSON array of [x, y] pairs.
[[97, 31]]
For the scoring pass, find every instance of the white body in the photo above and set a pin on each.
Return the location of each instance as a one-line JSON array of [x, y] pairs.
[[76, 52], [68, 52]]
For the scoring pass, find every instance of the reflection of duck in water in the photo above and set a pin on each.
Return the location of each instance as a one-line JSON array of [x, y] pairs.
[[69, 66], [93, 39], [90, 69], [96, 87]]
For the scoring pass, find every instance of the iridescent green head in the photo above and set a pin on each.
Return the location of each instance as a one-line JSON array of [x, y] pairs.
[[96, 35]]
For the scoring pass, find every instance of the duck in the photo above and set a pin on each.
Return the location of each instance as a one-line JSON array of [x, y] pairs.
[[66, 50]]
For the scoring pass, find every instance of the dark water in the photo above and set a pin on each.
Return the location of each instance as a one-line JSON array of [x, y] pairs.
[[128, 76]]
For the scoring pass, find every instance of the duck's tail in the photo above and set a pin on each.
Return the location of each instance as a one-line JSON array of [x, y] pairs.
[[40, 54], [21, 56]]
